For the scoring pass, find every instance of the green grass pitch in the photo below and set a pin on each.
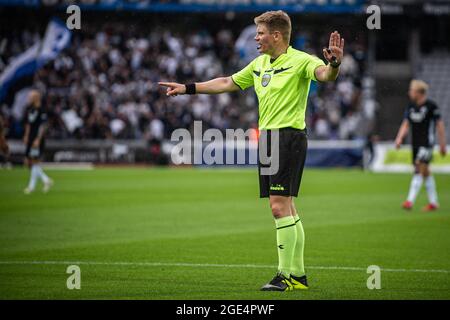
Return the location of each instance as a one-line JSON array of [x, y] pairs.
[[205, 234]]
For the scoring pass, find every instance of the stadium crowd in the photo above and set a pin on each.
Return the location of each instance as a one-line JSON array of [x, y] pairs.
[[104, 86]]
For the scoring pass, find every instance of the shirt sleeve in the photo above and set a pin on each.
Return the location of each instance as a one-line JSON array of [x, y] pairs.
[[244, 78], [436, 113], [309, 65], [406, 114]]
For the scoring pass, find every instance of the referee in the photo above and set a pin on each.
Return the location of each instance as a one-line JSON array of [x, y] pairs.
[[281, 76]]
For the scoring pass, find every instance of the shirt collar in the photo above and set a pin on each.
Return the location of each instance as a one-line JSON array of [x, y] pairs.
[[288, 51]]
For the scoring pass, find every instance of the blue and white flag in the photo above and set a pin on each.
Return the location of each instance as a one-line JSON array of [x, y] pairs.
[[57, 37], [246, 45], [20, 72]]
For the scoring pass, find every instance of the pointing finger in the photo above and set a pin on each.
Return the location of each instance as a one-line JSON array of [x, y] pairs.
[[167, 84]]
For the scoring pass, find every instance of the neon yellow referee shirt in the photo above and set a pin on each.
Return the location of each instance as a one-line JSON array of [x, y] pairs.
[[282, 87]]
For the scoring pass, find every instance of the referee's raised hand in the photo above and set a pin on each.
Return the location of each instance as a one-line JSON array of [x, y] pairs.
[[173, 88], [335, 49]]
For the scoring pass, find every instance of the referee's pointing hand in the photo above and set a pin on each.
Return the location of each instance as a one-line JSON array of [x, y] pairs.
[[173, 88]]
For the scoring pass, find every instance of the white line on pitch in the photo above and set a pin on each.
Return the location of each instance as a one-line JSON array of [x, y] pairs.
[[205, 265]]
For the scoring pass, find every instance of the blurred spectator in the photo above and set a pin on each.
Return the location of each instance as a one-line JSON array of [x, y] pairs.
[[105, 85]]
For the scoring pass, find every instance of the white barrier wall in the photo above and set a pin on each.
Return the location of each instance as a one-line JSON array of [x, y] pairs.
[[380, 152]]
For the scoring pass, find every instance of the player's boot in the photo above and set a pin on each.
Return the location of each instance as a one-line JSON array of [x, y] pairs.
[[278, 283], [299, 283], [430, 207], [28, 190], [407, 205], [48, 185]]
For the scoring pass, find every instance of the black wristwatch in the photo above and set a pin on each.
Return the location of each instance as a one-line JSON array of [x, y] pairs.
[[335, 64]]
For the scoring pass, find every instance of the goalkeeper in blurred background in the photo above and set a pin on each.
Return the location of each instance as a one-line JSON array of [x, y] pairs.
[[281, 76]]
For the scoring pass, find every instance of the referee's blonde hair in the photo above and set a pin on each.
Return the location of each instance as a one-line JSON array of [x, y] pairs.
[[276, 21], [419, 85]]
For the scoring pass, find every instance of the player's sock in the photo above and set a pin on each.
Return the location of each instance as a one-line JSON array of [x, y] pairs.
[[414, 188], [41, 174], [33, 178], [298, 267], [286, 239], [430, 185]]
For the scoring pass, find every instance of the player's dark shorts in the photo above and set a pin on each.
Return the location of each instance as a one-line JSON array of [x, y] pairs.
[[423, 154], [292, 155], [34, 153]]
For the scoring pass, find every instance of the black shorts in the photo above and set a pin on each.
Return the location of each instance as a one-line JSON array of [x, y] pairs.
[[292, 155], [423, 154], [34, 153]]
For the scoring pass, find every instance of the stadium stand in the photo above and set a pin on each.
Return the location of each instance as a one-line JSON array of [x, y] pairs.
[[435, 70], [103, 85]]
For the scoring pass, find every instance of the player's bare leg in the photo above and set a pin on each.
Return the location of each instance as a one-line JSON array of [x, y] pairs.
[[48, 183], [36, 173], [430, 186], [280, 206], [414, 188], [33, 177]]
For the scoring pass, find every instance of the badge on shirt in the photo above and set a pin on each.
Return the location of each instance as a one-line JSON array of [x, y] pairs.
[[32, 115], [418, 116], [265, 79]]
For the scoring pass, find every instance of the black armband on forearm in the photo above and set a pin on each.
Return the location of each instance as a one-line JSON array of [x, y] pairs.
[[190, 88]]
